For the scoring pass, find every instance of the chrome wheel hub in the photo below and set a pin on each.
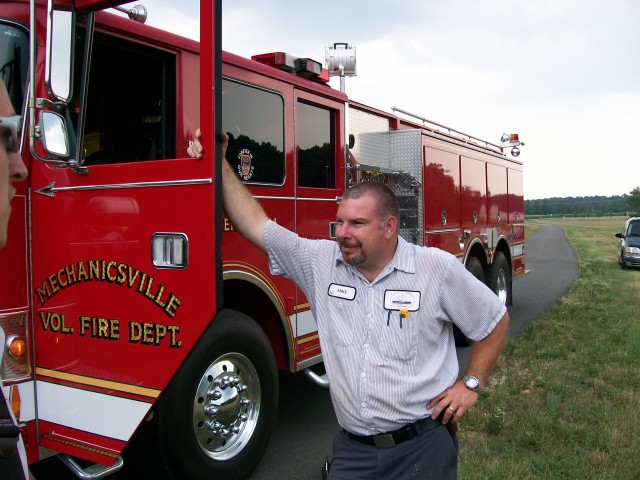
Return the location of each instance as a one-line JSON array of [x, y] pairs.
[[226, 406], [501, 286]]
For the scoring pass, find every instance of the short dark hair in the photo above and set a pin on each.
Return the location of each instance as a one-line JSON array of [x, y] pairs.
[[385, 198]]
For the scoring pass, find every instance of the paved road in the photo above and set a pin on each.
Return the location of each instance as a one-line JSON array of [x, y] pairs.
[[306, 422], [553, 267]]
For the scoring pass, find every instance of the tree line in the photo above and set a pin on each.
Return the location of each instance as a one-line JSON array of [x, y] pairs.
[[626, 204]]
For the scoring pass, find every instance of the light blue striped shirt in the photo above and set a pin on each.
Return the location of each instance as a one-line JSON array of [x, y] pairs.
[[382, 371]]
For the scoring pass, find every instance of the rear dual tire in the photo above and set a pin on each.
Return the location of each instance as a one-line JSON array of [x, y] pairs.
[[499, 281]]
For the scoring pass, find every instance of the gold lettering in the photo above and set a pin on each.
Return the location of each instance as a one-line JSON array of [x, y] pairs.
[[115, 329], [122, 273], [85, 323], [157, 300], [132, 277], [63, 283], [161, 332], [82, 272], [54, 322], [174, 329], [54, 283], [103, 327], [71, 274], [135, 331], [112, 272], [142, 282], [111, 265], [94, 269], [172, 305], [154, 333], [43, 293], [147, 292], [107, 328], [45, 320], [147, 335]]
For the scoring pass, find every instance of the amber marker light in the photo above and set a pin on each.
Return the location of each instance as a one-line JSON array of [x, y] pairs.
[[15, 402], [16, 346]]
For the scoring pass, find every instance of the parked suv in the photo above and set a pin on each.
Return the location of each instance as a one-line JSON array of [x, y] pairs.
[[629, 248]]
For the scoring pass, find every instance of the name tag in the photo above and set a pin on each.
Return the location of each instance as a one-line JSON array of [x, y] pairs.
[[401, 300], [342, 291]]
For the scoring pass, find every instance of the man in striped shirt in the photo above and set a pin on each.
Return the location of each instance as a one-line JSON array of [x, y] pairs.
[[385, 311]]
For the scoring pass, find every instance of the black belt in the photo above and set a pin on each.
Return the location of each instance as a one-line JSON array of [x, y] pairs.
[[391, 439]]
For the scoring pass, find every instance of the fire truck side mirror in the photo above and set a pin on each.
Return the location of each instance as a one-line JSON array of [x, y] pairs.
[[53, 134], [60, 44]]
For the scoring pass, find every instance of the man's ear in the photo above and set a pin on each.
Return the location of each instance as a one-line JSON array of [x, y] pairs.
[[391, 226]]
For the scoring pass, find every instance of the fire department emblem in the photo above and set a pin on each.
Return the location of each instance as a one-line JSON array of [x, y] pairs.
[[245, 167]]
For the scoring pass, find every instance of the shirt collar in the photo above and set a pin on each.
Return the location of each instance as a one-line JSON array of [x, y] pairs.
[[403, 259]]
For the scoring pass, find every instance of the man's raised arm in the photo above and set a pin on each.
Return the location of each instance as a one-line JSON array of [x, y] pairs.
[[245, 213]]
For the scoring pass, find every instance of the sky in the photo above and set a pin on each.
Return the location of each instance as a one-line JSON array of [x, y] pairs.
[[563, 74]]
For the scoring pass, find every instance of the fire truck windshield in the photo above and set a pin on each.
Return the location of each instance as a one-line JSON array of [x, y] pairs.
[[14, 61]]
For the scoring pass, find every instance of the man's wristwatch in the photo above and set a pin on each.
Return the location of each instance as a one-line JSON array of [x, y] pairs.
[[472, 383]]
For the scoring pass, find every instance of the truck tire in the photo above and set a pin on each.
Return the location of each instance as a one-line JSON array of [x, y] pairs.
[[474, 266], [216, 417], [500, 278]]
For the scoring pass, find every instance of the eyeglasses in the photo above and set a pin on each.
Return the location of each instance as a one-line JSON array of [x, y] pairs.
[[14, 126]]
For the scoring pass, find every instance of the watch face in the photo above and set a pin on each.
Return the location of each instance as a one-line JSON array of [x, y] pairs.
[[472, 383]]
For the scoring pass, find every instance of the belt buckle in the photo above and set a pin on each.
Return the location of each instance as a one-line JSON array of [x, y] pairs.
[[384, 441]]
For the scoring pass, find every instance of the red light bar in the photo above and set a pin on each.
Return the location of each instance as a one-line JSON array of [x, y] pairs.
[[311, 69], [280, 60], [305, 67]]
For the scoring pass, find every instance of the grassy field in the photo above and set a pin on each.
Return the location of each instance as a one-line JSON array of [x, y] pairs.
[[564, 399]]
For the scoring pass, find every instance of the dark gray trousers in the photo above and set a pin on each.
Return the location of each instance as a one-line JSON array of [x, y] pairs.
[[430, 455]]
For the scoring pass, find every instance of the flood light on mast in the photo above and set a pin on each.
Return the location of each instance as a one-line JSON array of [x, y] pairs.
[[341, 61]]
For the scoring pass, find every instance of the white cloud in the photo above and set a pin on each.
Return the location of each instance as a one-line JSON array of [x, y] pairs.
[[564, 74]]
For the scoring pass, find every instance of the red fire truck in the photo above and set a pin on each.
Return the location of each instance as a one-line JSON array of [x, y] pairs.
[[130, 305]]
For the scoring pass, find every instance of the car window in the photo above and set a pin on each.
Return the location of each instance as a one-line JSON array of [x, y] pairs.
[[634, 228]]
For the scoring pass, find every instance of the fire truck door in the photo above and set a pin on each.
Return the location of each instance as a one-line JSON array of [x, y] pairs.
[[125, 274], [320, 181]]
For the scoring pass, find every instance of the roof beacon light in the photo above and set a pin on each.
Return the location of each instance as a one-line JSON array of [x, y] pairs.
[[511, 140]]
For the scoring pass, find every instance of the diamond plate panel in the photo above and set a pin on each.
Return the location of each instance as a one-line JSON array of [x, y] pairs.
[[398, 158], [371, 133]]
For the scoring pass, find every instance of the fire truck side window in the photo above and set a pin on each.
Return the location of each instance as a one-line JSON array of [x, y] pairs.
[[130, 103], [254, 120], [14, 62], [316, 147]]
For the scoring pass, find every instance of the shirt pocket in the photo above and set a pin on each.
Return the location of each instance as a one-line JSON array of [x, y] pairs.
[[341, 322], [399, 340]]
